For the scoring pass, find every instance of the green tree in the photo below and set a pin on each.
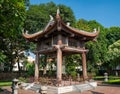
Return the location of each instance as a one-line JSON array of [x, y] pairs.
[[2, 57], [71, 62], [114, 54], [113, 34], [38, 15], [12, 16], [97, 51]]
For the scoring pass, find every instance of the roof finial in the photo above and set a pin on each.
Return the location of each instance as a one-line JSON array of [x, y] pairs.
[[58, 11], [58, 14]]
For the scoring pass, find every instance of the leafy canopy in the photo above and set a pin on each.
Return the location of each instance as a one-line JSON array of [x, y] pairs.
[[38, 15]]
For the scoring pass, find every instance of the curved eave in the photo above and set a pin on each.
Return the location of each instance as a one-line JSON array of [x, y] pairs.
[[80, 32], [32, 37], [59, 23]]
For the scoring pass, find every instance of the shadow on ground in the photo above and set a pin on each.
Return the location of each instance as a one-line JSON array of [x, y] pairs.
[[94, 92], [4, 91]]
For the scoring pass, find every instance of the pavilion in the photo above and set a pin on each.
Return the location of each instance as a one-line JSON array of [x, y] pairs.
[[61, 39]]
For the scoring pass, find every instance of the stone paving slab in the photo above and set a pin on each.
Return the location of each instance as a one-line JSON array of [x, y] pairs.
[[101, 89]]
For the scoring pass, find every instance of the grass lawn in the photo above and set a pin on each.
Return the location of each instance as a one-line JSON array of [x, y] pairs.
[[6, 83], [116, 81], [109, 77]]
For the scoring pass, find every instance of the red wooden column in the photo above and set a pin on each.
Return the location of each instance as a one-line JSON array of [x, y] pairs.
[[36, 76], [59, 60], [84, 69], [59, 65]]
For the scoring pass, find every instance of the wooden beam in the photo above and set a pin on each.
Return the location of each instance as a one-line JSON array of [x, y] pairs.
[[74, 50], [48, 50]]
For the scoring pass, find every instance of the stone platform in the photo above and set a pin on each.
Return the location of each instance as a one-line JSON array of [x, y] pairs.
[[79, 87], [72, 88]]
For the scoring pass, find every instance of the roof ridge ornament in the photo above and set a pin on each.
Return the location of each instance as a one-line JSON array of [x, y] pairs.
[[68, 23], [24, 31], [51, 18], [50, 23], [95, 30], [99, 29]]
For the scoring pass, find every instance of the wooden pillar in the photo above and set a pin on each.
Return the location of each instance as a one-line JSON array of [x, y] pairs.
[[59, 59], [36, 76], [84, 69], [59, 65]]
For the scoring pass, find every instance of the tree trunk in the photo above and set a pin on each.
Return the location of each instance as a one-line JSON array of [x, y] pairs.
[[19, 68], [11, 66]]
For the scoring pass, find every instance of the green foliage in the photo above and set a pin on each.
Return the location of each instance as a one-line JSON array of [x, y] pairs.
[[66, 14], [38, 15], [88, 26], [109, 77], [71, 71], [71, 62], [99, 78], [5, 83], [114, 50], [12, 16], [117, 81], [82, 24], [2, 57], [114, 54], [22, 79], [97, 50], [113, 34], [30, 69]]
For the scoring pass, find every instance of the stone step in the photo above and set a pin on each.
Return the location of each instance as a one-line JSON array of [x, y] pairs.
[[71, 88], [35, 87], [64, 89]]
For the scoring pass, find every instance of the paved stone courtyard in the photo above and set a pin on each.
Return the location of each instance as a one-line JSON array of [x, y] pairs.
[[101, 89]]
